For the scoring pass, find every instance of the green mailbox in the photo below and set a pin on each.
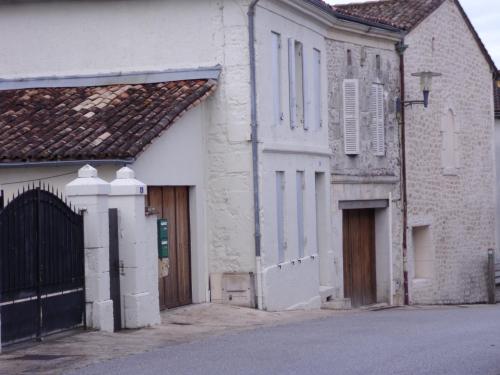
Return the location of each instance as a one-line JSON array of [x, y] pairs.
[[162, 238]]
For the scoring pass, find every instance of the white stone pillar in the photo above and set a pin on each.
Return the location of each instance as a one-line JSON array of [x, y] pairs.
[[90, 193], [138, 252]]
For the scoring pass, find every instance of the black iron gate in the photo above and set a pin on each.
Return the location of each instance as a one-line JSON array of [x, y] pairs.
[[41, 266]]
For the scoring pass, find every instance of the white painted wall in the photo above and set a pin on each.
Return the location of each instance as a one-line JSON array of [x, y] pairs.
[[89, 37], [14, 179], [178, 158], [294, 283], [384, 253], [175, 158], [208, 149]]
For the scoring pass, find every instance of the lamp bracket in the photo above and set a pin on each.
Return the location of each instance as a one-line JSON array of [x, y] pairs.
[[411, 103]]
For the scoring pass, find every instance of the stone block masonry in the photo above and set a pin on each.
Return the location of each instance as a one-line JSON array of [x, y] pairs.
[[457, 204], [90, 193], [137, 248], [368, 175]]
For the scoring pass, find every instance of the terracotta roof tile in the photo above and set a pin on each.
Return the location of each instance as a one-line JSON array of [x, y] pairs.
[[406, 15], [403, 14], [89, 123]]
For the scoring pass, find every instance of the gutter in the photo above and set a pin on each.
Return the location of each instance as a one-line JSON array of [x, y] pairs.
[[400, 48], [255, 151], [63, 163]]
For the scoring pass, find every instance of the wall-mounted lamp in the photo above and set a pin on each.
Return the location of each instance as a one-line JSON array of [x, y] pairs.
[[425, 85]]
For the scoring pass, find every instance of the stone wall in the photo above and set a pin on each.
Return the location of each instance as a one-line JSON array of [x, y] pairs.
[[367, 176], [365, 70], [457, 205]]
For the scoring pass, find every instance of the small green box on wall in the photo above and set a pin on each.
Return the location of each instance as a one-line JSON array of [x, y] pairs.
[[162, 238]]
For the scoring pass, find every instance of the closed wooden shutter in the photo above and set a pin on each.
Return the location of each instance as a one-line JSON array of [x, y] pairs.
[[351, 116], [377, 119], [276, 77], [292, 83], [306, 93], [317, 88], [300, 181], [280, 214]]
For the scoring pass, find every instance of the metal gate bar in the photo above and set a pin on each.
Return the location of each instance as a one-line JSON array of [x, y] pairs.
[[42, 277]]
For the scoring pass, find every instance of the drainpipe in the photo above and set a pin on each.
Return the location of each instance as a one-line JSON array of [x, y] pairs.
[[400, 48], [255, 150]]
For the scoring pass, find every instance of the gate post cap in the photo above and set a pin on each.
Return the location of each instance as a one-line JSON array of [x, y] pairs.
[[126, 183], [87, 171], [87, 184], [125, 173]]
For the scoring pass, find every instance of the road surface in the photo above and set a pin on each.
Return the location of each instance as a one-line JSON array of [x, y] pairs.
[[419, 340]]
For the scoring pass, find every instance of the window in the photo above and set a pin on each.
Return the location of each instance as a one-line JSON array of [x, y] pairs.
[[317, 88], [377, 119], [423, 252], [276, 77], [321, 213], [449, 151], [300, 212], [280, 215], [349, 57], [351, 116], [296, 82]]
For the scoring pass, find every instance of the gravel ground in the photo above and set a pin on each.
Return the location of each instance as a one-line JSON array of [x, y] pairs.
[[74, 350]]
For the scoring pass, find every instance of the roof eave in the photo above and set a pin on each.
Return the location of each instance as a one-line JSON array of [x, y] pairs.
[[356, 24], [64, 163], [116, 78]]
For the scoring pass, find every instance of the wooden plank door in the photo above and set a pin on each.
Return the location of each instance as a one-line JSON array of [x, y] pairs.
[[172, 203], [360, 283]]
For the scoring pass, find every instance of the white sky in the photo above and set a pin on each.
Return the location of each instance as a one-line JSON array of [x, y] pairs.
[[484, 15]]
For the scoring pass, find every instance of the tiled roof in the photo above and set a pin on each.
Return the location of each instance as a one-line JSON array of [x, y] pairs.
[[91, 123], [406, 15], [497, 97], [332, 10], [403, 14]]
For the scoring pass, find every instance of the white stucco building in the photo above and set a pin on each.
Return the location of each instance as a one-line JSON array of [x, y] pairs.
[[199, 168]]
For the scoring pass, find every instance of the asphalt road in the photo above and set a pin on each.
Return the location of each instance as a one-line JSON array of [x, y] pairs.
[[431, 340]]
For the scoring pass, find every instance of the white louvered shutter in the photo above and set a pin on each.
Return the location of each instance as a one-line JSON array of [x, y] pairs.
[[292, 83], [351, 116], [377, 119]]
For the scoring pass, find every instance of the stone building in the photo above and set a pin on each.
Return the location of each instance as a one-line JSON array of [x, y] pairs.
[[363, 78], [280, 142], [449, 149], [496, 98]]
